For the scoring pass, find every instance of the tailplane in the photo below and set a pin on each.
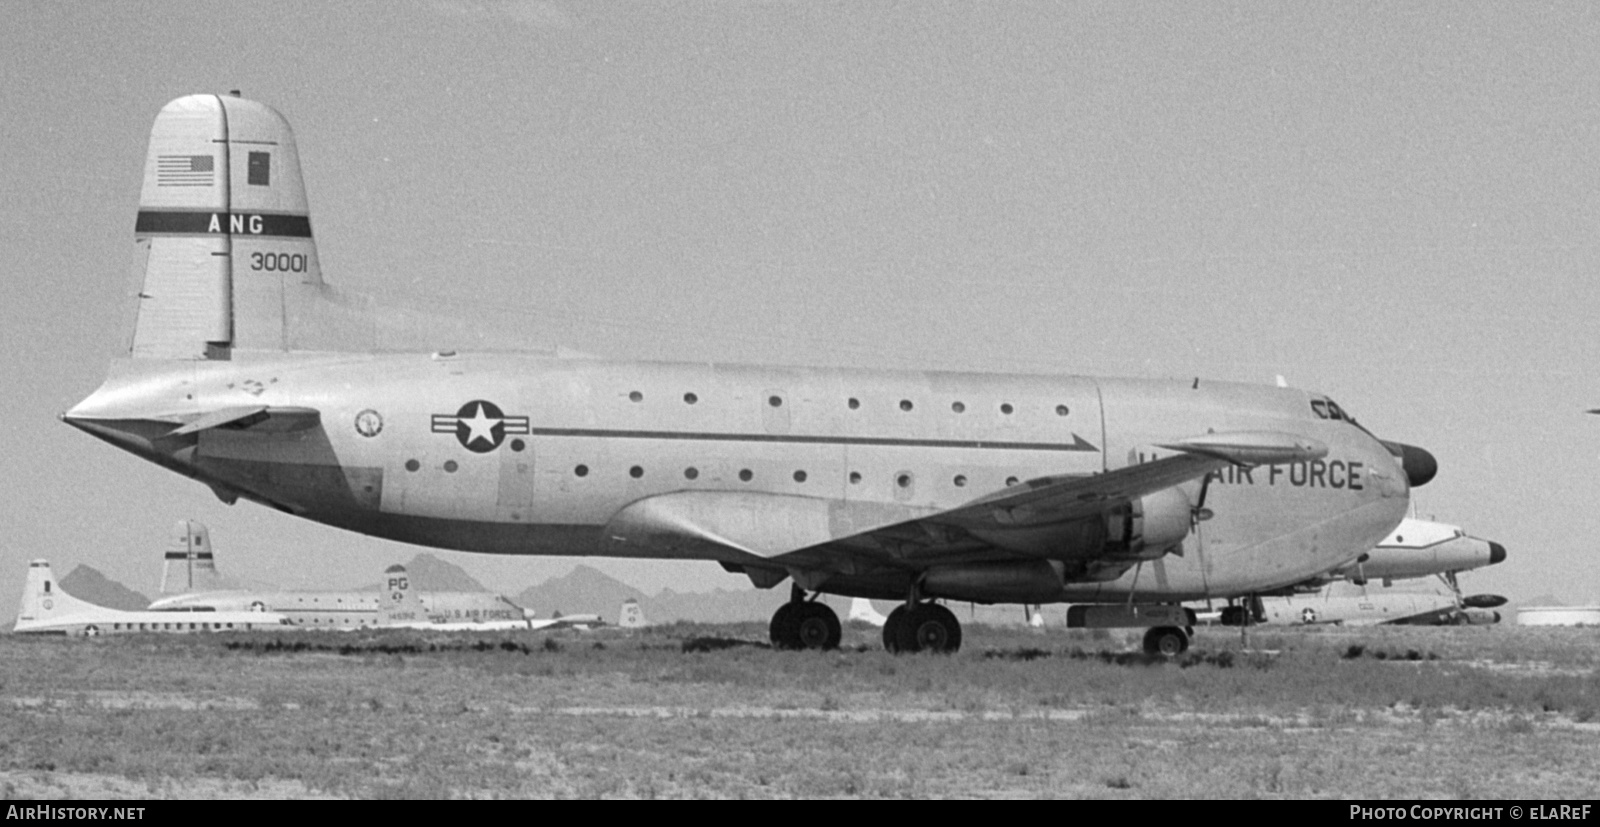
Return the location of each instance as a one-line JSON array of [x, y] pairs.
[[43, 599]]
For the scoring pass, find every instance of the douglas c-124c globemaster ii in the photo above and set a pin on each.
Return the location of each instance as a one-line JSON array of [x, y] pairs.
[[248, 373]]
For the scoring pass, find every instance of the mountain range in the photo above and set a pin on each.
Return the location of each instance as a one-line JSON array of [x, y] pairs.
[[87, 583]]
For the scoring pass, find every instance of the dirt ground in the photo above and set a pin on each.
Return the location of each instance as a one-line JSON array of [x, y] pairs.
[[707, 711]]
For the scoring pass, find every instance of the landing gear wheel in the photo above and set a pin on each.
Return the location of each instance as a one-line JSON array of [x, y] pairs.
[[891, 629], [818, 627], [1167, 641], [805, 625], [784, 630], [927, 627]]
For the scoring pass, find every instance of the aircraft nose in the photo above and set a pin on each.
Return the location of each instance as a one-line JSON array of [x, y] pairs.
[[1419, 465], [1497, 552]]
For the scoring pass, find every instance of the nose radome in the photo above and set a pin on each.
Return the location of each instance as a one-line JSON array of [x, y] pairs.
[[1497, 553], [1419, 465]]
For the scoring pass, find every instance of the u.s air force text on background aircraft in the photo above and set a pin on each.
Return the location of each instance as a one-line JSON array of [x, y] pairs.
[[248, 373]]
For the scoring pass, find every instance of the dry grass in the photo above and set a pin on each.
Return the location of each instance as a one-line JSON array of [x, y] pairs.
[[1474, 712]]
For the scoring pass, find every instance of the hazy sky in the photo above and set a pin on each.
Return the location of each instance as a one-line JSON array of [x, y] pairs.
[[1393, 203]]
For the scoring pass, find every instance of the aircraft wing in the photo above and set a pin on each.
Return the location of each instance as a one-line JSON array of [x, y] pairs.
[[565, 622], [1049, 500], [795, 534]]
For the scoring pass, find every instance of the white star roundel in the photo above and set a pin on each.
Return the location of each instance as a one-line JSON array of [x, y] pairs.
[[480, 426]]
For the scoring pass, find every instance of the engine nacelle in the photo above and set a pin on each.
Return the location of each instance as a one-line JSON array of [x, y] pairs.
[[1031, 581], [1483, 601], [1481, 617], [1253, 611], [1137, 616], [1147, 527]]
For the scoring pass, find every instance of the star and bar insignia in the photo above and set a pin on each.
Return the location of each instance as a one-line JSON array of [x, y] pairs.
[[480, 426]]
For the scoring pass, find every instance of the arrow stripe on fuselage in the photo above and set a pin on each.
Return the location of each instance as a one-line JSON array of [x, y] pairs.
[[1078, 443]]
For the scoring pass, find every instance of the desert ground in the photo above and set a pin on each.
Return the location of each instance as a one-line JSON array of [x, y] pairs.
[[689, 711]]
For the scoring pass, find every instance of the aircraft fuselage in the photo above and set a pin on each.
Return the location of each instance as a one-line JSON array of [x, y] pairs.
[[529, 454]]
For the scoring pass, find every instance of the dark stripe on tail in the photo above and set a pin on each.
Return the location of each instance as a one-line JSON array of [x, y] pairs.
[[170, 222]]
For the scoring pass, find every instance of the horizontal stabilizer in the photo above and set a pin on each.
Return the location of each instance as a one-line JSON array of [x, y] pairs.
[[260, 418]]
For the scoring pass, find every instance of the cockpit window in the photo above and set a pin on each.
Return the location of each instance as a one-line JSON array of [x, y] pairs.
[[1329, 409]]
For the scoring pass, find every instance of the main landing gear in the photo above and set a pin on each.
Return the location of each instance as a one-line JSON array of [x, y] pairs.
[[922, 627], [914, 627], [1167, 641], [805, 624]]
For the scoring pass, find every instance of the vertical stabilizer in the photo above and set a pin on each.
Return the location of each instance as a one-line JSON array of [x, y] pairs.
[[223, 233], [43, 599], [631, 616], [400, 602], [189, 565]]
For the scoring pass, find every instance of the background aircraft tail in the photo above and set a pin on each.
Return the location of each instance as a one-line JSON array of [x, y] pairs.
[[43, 599], [400, 602], [631, 616], [189, 565]]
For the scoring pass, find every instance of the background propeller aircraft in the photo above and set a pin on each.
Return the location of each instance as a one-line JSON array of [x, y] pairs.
[[47, 610], [190, 582], [1408, 603], [248, 373], [1348, 594], [402, 608]]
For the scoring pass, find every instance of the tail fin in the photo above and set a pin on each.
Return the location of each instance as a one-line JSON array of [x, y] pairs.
[[631, 616], [189, 564], [223, 234], [226, 262], [400, 603], [43, 599]]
